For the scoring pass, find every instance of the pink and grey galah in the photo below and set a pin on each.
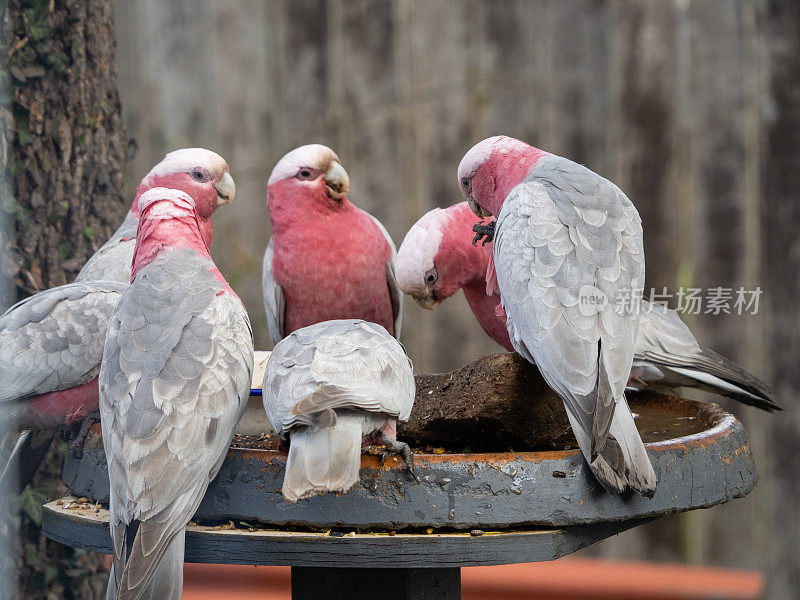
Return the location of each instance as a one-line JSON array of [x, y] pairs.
[[437, 258], [174, 380], [564, 233], [51, 343], [187, 169], [330, 388], [327, 259]]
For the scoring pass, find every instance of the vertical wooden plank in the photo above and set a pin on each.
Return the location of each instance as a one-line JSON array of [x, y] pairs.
[[780, 29]]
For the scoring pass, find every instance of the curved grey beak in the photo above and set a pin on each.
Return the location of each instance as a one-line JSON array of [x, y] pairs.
[[479, 211], [428, 301], [337, 181], [226, 189]]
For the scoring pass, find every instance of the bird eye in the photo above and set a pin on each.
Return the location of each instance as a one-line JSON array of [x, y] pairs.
[[431, 276], [465, 183], [198, 175], [305, 174]]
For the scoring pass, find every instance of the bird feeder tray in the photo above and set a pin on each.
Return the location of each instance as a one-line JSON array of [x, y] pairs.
[[699, 452], [341, 565]]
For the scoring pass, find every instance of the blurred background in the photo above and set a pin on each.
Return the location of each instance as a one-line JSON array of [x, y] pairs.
[[691, 107]]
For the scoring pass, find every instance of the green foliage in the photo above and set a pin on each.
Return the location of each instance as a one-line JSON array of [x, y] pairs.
[[14, 209], [30, 503], [24, 136], [59, 61], [64, 250]]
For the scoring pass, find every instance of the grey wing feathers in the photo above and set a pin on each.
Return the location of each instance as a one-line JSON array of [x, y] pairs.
[[113, 259], [562, 232], [274, 301], [174, 381], [666, 347], [395, 293], [54, 340], [334, 365]]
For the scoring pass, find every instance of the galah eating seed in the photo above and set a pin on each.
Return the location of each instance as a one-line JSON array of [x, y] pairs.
[[193, 170], [330, 388], [174, 381], [437, 258], [563, 234], [327, 259]]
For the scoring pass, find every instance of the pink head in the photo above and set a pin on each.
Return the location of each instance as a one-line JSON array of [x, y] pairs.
[[491, 169], [437, 258], [168, 219], [200, 173], [310, 177]]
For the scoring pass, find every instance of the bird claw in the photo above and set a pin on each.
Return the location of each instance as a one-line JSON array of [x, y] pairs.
[[393, 446], [485, 232], [76, 445]]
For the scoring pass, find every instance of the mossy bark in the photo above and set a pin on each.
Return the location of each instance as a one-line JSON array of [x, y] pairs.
[[62, 148], [63, 141]]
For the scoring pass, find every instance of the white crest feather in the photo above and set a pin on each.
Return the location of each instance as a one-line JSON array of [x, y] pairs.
[[316, 156], [419, 248]]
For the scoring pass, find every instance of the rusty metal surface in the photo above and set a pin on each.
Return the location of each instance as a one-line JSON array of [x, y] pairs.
[[465, 491], [87, 529]]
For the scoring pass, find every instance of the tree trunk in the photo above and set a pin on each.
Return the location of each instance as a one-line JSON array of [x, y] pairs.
[[63, 147], [64, 142]]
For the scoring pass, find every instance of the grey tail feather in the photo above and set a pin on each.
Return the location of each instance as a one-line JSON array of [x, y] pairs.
[[166, 579], [623, 462], [603, 416], [13, 458], [323, 459], [751, 390]]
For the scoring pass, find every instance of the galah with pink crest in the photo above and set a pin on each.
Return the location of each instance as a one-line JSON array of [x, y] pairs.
[[327, 259], [564, 234], [437, 258], [174, 381], [51, 343]]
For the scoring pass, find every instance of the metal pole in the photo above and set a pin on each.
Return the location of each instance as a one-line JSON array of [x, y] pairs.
[[333, 583]]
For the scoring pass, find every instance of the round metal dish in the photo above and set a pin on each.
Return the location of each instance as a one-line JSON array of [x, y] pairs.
[[709, 463]]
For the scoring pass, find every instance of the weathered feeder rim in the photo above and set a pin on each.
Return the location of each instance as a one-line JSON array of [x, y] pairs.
[[205, 544]]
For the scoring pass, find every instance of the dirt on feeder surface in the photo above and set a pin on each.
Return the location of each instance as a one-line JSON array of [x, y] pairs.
[[500, 403], [263, 441]]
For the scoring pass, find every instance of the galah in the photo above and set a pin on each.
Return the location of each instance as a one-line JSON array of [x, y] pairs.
[[52, 342], [174, 381], [563, 234], [330, 388], [50, 349], [437, 258], [187, 169], [327, 259]]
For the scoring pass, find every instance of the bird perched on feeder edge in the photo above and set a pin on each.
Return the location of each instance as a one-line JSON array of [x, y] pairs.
[[329, 388], [437, 258], [564, 233], [174, 381], [51, 343]]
